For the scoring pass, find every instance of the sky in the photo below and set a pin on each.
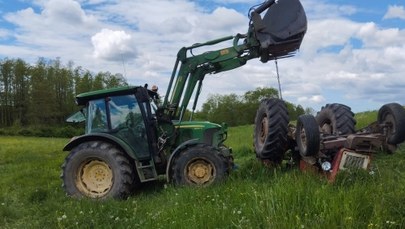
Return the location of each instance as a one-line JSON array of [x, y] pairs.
[[353, 52]]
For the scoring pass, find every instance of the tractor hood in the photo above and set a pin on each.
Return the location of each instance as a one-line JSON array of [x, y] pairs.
[[281, 30]]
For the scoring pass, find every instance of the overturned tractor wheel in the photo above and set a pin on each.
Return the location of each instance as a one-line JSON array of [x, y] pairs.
[[392, 116], [336, 119], [307, 135], [270, 130]]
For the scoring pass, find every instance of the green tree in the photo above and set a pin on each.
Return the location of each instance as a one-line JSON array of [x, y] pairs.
[[83, 80], [251, 101], [116, 80], [43, 94], [259, 93], [6, 92], [241, 110], [21, 92]]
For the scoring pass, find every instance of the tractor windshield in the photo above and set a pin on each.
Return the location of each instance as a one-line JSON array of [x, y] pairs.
[[113, 113]]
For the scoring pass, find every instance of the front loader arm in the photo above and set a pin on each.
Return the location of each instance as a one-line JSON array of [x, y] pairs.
[[273, 36], [193, 69]]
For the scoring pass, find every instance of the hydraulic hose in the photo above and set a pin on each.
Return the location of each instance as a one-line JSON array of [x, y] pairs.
[[264, 6]]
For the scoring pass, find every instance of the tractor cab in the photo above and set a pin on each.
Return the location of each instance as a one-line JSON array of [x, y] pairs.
[[120, 113]]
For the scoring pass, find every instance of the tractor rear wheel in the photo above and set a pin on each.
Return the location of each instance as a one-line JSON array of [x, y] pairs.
[[97, 170], [336, 119], [199, 165], [307, 135], [270, 131], [393, 115]]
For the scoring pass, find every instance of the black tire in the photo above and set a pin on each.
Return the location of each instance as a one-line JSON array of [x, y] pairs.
[[199, 165], [307, 135], [270, 130], [97, 170], [393, 115], [336, 119]]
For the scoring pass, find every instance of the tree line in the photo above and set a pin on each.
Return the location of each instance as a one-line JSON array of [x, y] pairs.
[[236, 110], [43, 94]]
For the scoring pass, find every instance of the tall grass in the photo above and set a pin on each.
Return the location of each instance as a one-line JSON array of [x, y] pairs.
[[253, 197], [365, 118]]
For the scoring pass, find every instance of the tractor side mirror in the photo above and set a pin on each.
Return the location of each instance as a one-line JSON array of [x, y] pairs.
[[77, 117]]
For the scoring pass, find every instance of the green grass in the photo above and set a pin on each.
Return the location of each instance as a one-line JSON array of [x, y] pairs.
[[365, 118], [253, 197]]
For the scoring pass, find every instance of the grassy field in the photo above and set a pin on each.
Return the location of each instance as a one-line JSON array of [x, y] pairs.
[[253, 197]]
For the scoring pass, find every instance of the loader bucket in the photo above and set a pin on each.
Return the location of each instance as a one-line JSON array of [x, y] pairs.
[[281, 30]]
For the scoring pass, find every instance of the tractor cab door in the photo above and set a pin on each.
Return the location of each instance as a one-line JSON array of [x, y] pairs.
[[129, 123], [149, 117]]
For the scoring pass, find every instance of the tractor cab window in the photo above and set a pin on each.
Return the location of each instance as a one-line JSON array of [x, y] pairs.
[[125, 112], [115, 114], [97, 116]]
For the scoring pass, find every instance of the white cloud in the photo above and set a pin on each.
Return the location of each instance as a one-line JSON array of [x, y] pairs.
[[395, 12], [102, 35], [113, 45], [65, 12], [4, 33], [317, 99], [319, 9], [372, 36], [58, 18]]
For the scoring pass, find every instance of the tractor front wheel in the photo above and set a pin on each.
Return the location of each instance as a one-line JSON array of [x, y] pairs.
[[199, 165], [97, 170], [392, 115], [307, 135]]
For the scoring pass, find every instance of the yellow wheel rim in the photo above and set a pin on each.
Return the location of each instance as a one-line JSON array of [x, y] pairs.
[[200, 172], [94, 178]]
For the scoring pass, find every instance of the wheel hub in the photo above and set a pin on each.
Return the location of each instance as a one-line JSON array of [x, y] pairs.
[[389, 119], [95, 178], [327, 128], [200, 172], [303, 137], [264, 129]]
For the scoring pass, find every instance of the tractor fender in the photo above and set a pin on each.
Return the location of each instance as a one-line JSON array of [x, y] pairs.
[[177, 151], [75, 141]]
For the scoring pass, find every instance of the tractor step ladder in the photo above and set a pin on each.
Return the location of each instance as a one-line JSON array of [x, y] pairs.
[[146, 170]]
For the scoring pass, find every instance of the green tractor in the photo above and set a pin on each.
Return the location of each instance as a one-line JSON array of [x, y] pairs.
[[131, 137]]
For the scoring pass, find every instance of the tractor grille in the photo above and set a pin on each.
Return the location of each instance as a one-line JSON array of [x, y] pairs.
[[354, 160]]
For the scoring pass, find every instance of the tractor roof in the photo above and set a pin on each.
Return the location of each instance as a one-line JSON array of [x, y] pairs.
[[83, 98]]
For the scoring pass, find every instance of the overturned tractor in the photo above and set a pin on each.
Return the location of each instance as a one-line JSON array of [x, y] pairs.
[[328, 142]]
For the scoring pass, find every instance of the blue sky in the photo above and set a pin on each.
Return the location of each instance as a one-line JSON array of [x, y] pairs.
[[353, 52]]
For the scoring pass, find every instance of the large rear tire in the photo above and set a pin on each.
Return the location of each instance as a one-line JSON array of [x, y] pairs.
[[271, 129], [199, 165], [307, 135], [97, 170], [336, 119], [393, 115]]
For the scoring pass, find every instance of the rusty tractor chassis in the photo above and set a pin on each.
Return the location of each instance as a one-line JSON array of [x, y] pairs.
[[334, 151]]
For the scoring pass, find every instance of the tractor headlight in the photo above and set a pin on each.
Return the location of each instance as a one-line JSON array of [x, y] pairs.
[[326, 166]]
